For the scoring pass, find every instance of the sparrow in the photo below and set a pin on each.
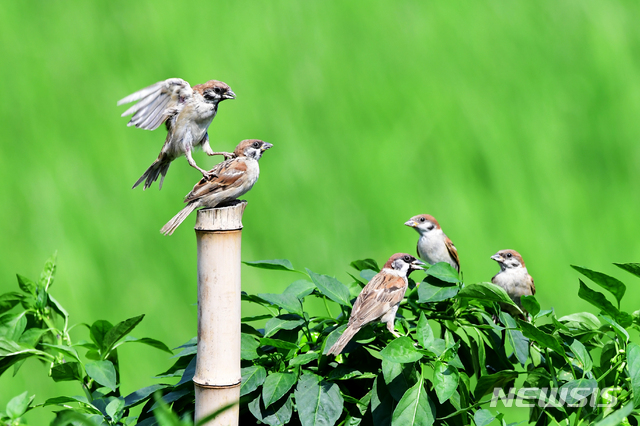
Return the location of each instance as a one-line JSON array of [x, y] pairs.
[[513, 278], [187, 113], [380, 298], [234, 178], [433, 245]]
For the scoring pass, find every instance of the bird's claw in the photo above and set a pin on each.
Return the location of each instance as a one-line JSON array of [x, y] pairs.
[[209, 175]]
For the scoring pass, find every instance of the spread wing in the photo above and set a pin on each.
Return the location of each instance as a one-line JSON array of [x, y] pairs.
[[157, 103], [381, 293], [228, 174], [452, 252]]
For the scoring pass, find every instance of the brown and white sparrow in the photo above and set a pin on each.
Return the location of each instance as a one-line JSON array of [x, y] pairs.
[[234, 178], [187, 113], [433, 245], [380, 298], [513, 278]]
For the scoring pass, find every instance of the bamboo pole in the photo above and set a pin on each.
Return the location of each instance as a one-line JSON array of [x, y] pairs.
[[217, 377]]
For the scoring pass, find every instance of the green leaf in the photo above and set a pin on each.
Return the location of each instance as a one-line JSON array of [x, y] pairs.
[[304, 359], [67, 371], [382, 403], [276, 415], [542, 338], [146, 341], [633, 361], [26, 284], [414, 408], [65, 350], [332, 288], [363, 264], [620, 331], [18, 405], [48, 273], [102, 372], [616, 417], [428, 293], [401, 350], [598, 300], [424, 334], [252, 378], [118, 331], [483, 417], [66, 399], [13, 325], [582, 355], [98, 331], [248, 347], [318, 402], [575, 390], [581, 321], [142, 395], [443, 272], [31, 337], [515, 338], [398, 377], [287, 301], [530, 304], [282, 322], [367, 274], [274, 264], [632, 268], [613, 285], [300, 288], [445, 380], [277, 343], [488, 382], [276, 386], [486, 291], [114, 409], [9, 300]]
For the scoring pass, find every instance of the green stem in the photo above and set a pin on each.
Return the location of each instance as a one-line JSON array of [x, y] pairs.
[[326, 305], [552, 370]]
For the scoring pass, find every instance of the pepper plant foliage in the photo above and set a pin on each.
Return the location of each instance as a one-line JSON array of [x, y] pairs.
[[456, 347]]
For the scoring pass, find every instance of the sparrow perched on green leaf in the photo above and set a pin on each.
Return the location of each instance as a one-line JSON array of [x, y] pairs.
[[380, 298], [513, 278], [433, 245]]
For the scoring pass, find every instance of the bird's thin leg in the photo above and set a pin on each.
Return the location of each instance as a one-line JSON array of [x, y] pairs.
[[207, 175], [207, 149], [390, 328]]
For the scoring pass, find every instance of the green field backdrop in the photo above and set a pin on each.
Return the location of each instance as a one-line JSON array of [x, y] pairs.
[[516, 124]]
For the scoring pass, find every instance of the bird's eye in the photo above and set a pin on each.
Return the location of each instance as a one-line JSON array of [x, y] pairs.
[[217, 90], [407, 259], [422, 219], [509, 254], [256, 144]]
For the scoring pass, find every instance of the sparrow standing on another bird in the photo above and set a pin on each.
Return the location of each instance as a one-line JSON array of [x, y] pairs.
[[513, 278], [187, 113], [380, 298], [234, 178], [433, 246]]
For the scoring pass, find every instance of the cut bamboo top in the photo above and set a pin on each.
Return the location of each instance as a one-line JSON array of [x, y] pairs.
[[224, 218]]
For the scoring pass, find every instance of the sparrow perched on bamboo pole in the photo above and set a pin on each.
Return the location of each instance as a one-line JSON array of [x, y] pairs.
[[433, 245], [380, 298], [187, 113], [233, 178], [513, 278]]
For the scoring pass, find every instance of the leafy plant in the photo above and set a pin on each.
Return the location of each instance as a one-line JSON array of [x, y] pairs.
[[457, 352]]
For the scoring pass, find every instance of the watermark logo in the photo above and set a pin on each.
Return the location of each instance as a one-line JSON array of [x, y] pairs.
[[565, 396]]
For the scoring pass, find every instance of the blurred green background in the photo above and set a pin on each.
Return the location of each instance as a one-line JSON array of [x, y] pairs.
[[516, 124]]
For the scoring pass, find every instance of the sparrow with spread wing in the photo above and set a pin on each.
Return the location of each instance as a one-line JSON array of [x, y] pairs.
[[187, 113], [433, 245], [380, 298], [513, 278], [234, 178]]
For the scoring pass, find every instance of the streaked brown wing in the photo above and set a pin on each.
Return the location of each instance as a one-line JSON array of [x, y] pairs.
[[229, 172], [377, 297], [157, 103], [533, 287], [452, 251]]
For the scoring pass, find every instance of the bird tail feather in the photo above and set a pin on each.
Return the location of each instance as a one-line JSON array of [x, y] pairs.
[[346, 337], [158, 168], [179, 218]]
